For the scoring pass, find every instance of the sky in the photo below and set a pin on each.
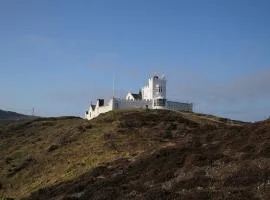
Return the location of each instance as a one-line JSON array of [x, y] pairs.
[[59, 55]]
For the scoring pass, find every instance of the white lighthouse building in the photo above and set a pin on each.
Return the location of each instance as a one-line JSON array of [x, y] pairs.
[[155, 91], [152, 96]]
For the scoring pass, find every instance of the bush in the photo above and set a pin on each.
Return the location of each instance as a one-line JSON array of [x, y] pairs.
[[52, 147]]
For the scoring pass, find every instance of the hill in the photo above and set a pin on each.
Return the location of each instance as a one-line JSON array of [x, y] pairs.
[[8, 115], [135, 154]]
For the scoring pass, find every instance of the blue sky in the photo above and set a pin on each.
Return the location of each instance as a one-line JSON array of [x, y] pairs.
[[57, 55]]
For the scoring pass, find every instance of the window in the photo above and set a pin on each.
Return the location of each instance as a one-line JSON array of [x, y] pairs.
[[159, 102], [159, 88]]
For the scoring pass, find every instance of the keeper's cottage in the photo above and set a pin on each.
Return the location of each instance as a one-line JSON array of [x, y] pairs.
[[152, 96]]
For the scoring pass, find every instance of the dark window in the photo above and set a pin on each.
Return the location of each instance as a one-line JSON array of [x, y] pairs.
[[159, 102], [101, 102], [159, 89]]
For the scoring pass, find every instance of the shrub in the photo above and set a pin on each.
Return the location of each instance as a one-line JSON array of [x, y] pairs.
[[52, 147]]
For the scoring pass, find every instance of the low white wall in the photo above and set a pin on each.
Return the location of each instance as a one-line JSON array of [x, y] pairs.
[[104, 109], [187, 107], [125, 104]]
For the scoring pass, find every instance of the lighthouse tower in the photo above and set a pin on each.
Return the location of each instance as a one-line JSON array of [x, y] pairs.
[[155, 91], [158, 92]]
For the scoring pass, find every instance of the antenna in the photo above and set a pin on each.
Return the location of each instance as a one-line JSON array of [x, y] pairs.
[[113, 83]]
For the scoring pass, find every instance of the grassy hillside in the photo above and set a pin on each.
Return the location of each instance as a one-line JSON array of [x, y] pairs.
[[135, 154]]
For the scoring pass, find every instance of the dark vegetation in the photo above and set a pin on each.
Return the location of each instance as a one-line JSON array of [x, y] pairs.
[[135, 155], [9, 116]]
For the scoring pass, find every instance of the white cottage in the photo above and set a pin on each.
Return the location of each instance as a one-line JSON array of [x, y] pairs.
[[152, 96]]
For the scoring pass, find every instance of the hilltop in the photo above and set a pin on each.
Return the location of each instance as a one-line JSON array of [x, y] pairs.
[[8, 115], [135, 154]]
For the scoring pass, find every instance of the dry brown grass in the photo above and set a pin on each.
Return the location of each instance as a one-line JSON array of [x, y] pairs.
[[135, 154]]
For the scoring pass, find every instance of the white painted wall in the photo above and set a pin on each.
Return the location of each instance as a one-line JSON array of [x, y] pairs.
[[156, 88], [125, 104], [146, 94], [116, 103], [99, 109], [130, 96]]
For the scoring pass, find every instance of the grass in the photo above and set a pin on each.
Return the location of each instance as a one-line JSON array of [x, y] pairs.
[[80, 145], [48, 152]]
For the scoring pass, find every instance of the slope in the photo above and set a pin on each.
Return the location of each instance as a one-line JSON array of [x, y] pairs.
[[8, 115], [135, 155]]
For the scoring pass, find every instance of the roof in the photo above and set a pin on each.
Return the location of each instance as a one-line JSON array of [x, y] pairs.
[[137, 96], [93, 107]]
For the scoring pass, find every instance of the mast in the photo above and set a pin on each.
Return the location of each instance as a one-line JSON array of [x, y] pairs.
[[113, 83]]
